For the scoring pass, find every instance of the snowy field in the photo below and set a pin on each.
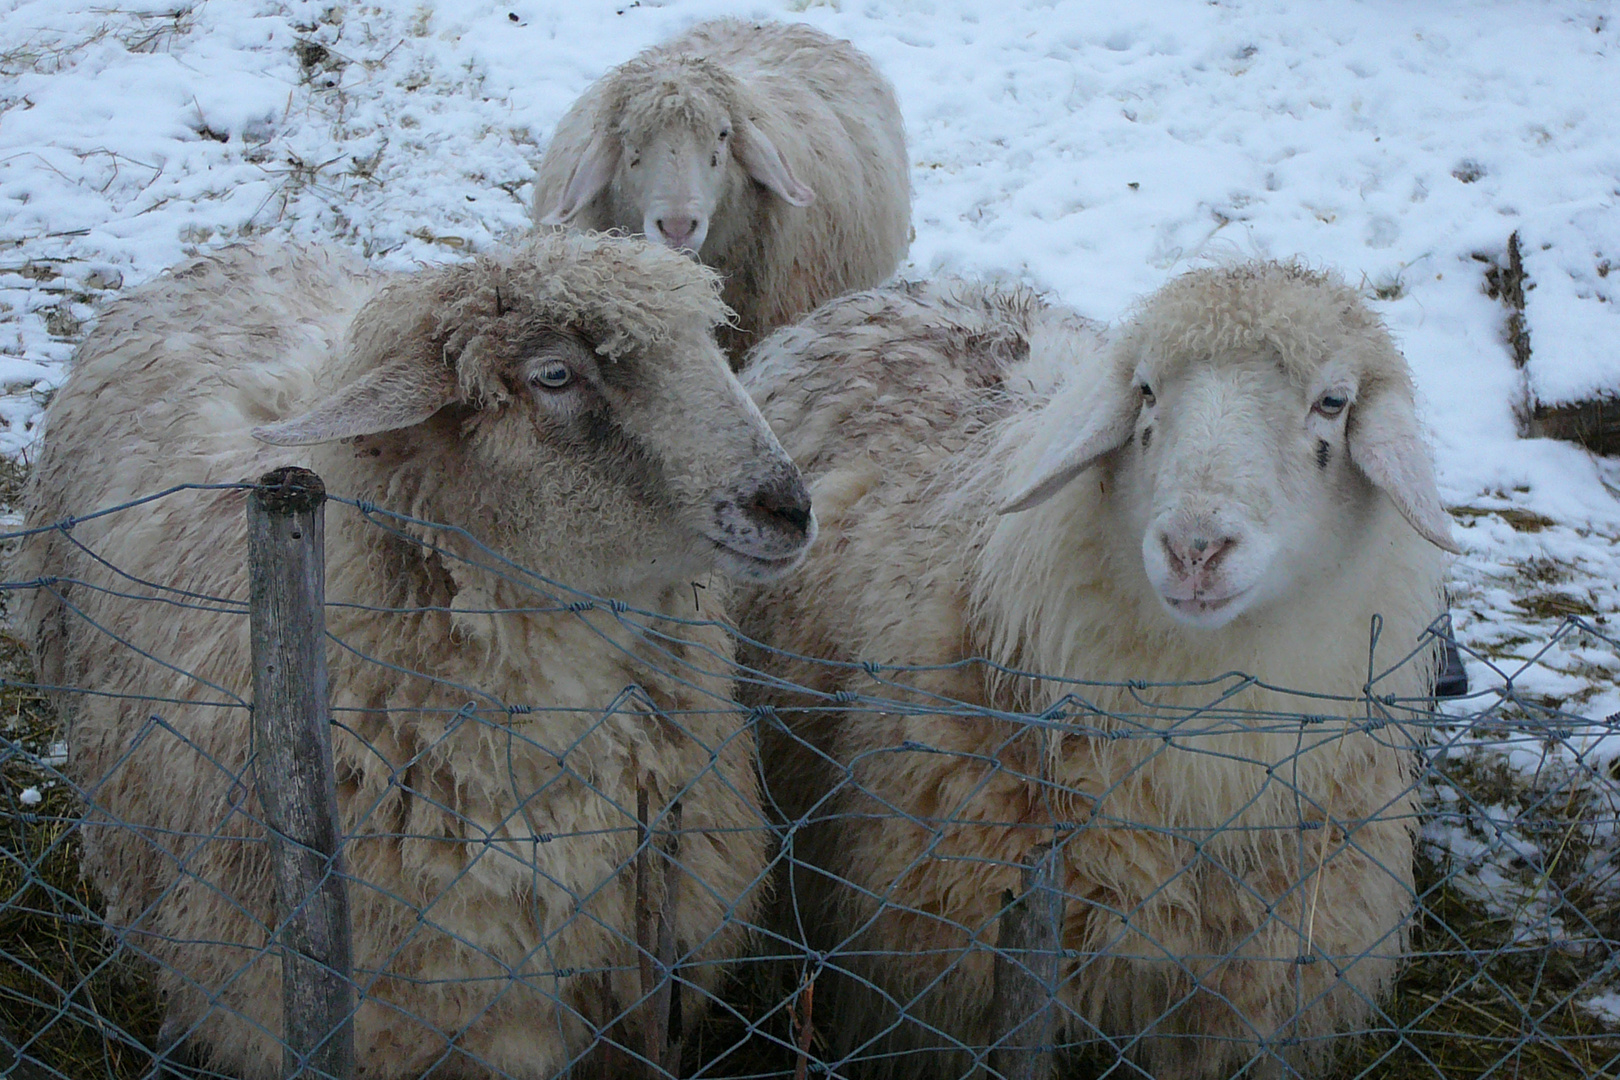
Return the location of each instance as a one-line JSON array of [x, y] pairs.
[[1090, 149]]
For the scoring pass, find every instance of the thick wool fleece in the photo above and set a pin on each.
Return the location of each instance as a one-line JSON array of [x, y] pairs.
[[1199, 865], [487, 764]]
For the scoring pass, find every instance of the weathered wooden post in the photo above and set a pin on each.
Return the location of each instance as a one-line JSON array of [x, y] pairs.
[[1026, 971], [655, 943], [292, 738]]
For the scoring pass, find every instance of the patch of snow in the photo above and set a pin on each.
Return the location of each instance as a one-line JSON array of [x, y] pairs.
[[1605, 1006], [1572, 306]]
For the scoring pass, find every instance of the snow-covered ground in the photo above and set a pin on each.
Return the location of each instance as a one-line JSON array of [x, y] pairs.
[[1090, 149]]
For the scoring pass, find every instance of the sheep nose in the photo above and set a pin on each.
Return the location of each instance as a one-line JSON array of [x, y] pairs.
[[783, 506], [1194, 553], [677, 231]]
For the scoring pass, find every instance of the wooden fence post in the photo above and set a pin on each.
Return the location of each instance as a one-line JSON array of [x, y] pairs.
[[292, 739], [662, 1033], [1022, 1021]]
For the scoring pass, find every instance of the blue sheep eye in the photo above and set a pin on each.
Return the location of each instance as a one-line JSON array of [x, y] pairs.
[[552, 376]]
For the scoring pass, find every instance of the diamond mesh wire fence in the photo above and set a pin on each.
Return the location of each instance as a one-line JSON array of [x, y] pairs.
[[693, 877]]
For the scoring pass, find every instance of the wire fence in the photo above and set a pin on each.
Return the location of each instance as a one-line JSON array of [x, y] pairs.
[[665, 882]]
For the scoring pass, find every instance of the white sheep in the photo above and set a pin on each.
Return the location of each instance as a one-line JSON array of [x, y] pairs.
[[1234, 483], [774, 151], [566, 404]]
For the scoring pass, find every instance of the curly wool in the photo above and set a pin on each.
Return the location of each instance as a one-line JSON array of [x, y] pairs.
[[626, 296]]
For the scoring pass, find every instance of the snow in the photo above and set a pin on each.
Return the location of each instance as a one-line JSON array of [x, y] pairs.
[[1606, 1007], [30, 796], [1574, 310], [1090, 151], [1093, 150]]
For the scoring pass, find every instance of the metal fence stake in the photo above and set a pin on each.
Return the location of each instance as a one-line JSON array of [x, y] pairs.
[[292, 733], [1026, 971]]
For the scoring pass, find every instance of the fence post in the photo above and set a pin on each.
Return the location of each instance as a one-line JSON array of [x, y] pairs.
[[1026, 971], [292, 736], [655, 943]]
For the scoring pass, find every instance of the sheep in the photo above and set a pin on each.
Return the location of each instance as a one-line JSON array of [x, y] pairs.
[[1233, 481], [563, 402], [774, 152]]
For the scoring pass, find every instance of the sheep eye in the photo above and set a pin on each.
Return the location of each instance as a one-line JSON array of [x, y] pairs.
[[1332, 403], [634, 161], [1147, 394], [725, 134], [554, 375]]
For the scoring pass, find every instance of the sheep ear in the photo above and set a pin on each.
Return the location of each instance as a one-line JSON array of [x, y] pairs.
[[1386, 447], [1109, 428], [591, 174], [766, 164], [397, 396]]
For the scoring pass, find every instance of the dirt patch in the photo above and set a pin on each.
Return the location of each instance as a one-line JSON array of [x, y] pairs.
[[1525, 521]]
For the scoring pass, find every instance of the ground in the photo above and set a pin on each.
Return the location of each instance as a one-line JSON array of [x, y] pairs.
[[1091, 150]]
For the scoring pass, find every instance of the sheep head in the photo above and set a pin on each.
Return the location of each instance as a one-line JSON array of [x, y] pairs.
[[1249, 423], [675, 141], [572, 393]]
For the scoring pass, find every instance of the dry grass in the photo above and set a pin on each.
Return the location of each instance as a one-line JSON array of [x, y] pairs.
[[1473, 1004], [70, 997], [1525, 521], [72, 1000]]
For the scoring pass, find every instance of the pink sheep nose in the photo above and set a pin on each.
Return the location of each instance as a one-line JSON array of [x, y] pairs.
[[1194, 554], [677, 231]]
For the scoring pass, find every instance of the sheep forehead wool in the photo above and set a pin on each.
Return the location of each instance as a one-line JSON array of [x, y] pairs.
[[650, 94], [627, 296], [1299, 317], [629, 299]]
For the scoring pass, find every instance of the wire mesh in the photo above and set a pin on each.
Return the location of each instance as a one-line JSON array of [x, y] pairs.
[[665, 882]]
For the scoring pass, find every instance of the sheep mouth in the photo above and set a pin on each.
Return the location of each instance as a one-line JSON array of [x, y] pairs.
[[738, 563], [1206, 611]]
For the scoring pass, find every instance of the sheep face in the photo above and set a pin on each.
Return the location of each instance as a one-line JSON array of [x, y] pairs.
[[657, 453], [1250, 426], [1239, 484], [589, 399], [675, 149]]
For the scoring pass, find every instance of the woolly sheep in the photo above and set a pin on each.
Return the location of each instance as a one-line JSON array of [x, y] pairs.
[[566, 403], [1234, 482], [773, 151]]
